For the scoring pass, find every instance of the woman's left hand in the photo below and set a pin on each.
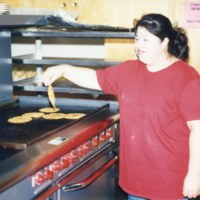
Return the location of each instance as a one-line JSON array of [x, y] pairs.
[[191, 187]]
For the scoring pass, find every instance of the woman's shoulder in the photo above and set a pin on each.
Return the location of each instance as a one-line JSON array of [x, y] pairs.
[[124, 68], [186, 68], [186, 71]]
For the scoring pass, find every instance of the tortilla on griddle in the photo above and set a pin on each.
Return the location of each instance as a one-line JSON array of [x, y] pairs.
[[33, 114], [19, 119], [54, 116], [74, 115], [49, 110]]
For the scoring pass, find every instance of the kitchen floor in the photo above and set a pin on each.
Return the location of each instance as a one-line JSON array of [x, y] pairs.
[[120, 194]]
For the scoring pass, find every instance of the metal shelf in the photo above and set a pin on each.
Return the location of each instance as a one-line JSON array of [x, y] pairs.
[[30, 59], [37, 59], [73, 34]]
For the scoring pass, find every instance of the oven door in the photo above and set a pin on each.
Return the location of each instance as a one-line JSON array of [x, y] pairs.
[[96, 179]]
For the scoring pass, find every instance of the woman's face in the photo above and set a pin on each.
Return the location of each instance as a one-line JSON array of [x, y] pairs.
[[149, 48]]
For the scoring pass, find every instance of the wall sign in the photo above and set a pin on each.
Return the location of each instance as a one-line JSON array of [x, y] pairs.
[[192, 14]]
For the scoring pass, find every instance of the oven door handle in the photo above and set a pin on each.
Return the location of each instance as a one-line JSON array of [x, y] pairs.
[[91, 178]]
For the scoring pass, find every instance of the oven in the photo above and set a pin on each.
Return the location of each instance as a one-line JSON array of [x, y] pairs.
[[60, 159], [55, 159]]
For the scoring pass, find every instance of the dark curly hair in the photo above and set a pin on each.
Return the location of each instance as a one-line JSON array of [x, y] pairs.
[[160, 26]]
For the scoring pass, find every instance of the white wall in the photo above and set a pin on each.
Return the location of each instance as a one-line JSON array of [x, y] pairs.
[[61, 48]]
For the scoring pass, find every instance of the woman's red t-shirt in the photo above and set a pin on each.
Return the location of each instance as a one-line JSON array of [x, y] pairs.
[[154, 108]]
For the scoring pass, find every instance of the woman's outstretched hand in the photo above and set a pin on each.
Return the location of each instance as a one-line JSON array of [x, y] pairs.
[[53, 73]]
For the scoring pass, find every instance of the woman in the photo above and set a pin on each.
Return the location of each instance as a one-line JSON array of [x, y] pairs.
[[159, 99]]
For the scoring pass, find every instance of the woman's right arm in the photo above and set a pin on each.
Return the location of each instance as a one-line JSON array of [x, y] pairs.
[[84, 77]]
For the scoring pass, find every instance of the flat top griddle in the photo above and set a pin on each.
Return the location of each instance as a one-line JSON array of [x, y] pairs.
[[19, 136]]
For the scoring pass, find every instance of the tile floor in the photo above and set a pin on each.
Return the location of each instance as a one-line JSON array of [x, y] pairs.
[[120, 194]]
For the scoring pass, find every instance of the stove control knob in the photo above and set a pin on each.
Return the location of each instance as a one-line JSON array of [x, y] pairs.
[[38, 179], [102, 137], [64, 161], [48, 174], [73, 156], [80, 152], [86, 147], [94, 142], [109, 133]]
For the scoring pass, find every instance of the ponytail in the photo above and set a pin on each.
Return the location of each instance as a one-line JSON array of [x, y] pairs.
[[178, 44]]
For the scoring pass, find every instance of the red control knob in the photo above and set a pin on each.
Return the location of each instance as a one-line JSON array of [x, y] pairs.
[[64, 161], [73, 156], [109, 133], [38, 179], [86, 147], [102, 138], [48, 174], [81, 151], [95, 142]]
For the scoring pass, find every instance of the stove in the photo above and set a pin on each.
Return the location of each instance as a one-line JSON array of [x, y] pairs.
[[39, 154], [55, 159]]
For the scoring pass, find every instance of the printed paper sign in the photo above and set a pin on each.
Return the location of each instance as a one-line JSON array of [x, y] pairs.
[[192, 14]]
